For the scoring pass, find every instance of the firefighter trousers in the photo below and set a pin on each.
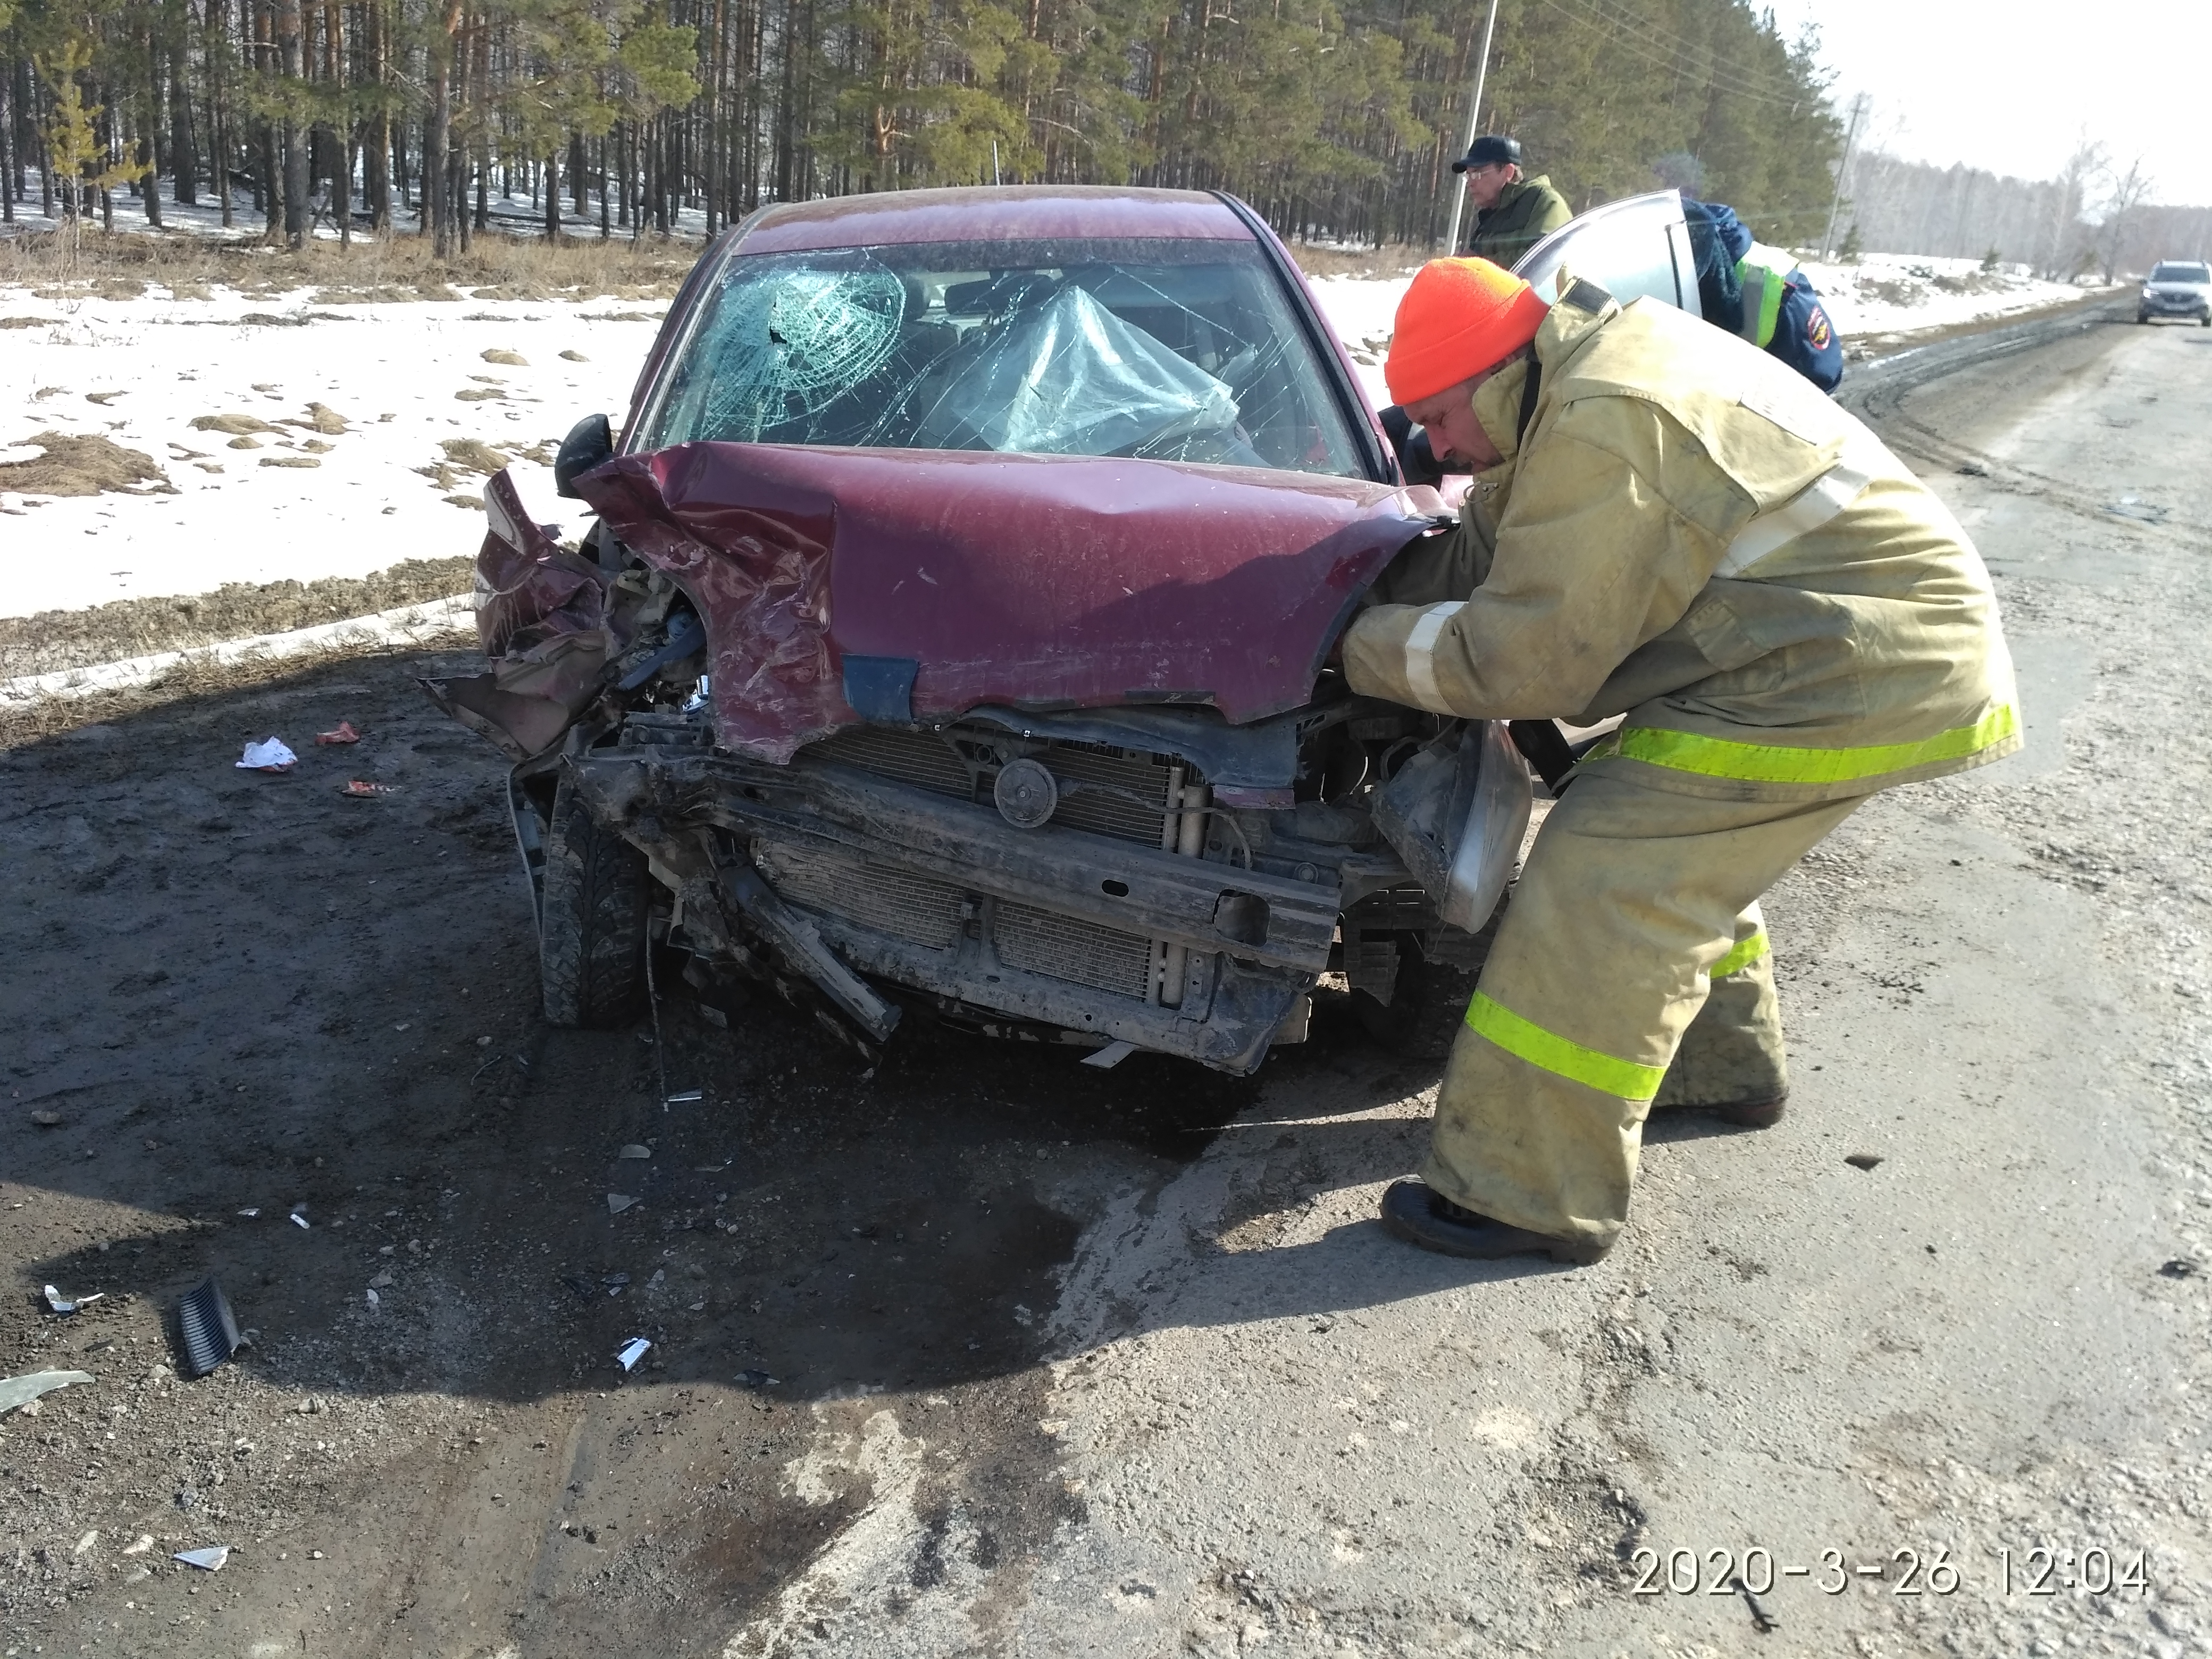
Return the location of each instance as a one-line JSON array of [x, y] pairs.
[[1630, 967]]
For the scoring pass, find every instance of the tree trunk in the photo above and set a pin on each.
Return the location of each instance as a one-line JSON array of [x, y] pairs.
[[272, 192], [291, 65], [376, 147], [13, 173], [184, 151], [435, 131], [553, 195], [214, 39]]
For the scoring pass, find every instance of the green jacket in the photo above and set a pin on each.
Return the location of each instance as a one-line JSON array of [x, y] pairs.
[[1525, 214]]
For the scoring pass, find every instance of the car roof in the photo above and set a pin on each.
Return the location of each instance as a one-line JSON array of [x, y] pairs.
[[988, 213]]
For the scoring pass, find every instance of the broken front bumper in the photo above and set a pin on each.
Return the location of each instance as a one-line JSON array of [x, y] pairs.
[[1096, 935]]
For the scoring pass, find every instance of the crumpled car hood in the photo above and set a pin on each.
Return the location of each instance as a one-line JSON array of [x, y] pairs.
[[842, 584]]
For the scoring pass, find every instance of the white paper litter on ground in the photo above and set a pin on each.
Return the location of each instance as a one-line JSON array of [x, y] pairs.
[[209, 1560], [273, 756], [632, 1352]]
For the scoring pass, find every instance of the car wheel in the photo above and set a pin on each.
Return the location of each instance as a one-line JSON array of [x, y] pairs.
[[1427, 1005], [2142, 317], [592, 927]]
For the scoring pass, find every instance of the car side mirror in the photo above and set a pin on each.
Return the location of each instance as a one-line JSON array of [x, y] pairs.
[[590, 443]]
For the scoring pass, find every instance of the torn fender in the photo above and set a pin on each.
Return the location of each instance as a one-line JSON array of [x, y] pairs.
[[927, 583], [541, 616]]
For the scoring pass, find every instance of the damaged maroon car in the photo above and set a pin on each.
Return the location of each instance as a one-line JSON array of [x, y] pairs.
[[953, 640]]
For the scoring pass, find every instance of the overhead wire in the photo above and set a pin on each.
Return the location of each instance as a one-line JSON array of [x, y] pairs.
[[1688, 57], [1671, 53]]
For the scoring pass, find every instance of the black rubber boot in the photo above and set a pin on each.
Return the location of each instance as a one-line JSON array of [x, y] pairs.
[[1415, 1211], [1747, 1114]]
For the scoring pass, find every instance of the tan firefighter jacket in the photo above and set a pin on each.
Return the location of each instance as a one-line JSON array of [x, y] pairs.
[[1689, 534]]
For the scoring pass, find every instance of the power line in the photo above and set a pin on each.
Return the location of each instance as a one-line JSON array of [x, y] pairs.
[[1676, 59], [1688, 53]]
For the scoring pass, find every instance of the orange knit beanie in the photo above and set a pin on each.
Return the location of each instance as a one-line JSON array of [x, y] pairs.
[[1459, 317]]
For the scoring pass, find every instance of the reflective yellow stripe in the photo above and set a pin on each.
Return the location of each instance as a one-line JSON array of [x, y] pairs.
[[1539, 1047], [1746, 952], [1767, 763], [1774, 269]]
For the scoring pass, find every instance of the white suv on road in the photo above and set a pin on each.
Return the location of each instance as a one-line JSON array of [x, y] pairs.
[[2177, 287]]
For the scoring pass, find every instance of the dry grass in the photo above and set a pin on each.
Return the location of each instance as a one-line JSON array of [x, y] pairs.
[[83, 466], [57, 639], [123, 264]]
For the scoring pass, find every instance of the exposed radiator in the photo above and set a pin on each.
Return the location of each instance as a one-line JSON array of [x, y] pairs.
[[920, 758], [960, 762], [917, 909], [1145, 777], [1083, 952]]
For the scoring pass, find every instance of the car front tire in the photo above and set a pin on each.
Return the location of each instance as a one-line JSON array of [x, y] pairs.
[[1426, 1007], [592, 925]]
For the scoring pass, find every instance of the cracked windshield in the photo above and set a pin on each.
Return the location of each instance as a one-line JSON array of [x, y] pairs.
[[1161, 350]]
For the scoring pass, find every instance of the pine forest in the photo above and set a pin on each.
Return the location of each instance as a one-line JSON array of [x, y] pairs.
[[628, 117]]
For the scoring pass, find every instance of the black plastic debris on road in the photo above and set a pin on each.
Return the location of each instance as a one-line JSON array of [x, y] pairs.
[[207, 1330], [756, 1381], [1863, 1160], [2180, 1267]]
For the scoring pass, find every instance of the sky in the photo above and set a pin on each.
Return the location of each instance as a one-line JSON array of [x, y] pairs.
[[2012, 87]]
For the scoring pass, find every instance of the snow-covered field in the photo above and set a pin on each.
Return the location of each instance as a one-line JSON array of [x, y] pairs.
[[302, 439], [286, 492], [1887, 294]]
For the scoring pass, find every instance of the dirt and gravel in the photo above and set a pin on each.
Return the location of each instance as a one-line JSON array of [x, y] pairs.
[[978, 1350], [56, 640]]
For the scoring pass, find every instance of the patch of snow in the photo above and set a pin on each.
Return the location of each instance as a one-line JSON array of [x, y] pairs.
[[1895, 293], [393, 371]]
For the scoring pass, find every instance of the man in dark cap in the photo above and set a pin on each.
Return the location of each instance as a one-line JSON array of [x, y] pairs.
[[1512, 214]]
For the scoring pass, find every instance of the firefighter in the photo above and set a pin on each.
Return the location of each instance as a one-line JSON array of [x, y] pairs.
[[1512, 214], [1670, 525], [1760, 292]]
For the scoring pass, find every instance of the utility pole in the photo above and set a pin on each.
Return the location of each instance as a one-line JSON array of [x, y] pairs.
[[1473, 114], [1850, 142]]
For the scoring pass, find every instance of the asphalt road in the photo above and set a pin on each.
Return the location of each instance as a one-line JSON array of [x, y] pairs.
[[1070, 1363]]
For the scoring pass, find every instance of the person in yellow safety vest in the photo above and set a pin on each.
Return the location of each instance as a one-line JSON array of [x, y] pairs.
[[1760, 292], [1668, 525]]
